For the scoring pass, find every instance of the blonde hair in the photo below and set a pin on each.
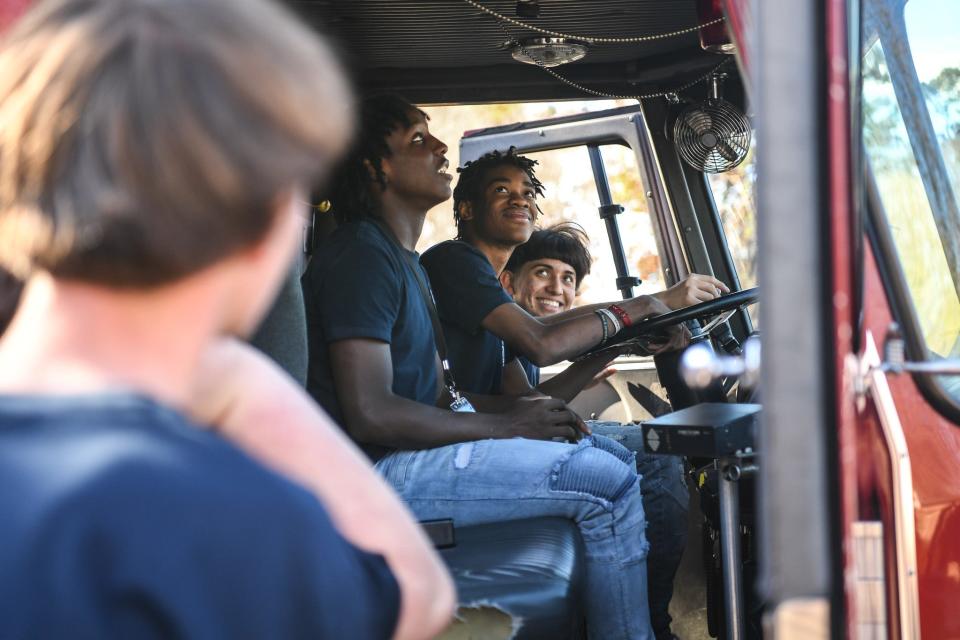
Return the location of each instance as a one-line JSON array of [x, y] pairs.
[[142, 140]]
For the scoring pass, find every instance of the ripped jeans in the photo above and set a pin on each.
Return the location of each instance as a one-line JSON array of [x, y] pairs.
[[594, 483]]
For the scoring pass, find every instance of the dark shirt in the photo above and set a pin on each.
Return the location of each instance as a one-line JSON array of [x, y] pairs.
[[360, 285], [532, 370], [466, 290], [122, 520]]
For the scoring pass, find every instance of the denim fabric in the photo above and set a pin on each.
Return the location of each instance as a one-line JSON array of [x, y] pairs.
[[665, 503], [593, 483]]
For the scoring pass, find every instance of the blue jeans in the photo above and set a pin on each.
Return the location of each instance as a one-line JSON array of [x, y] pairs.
[[594, 483], [666, 503]]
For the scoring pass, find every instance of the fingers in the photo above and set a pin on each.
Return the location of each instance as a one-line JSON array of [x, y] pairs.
[[582, 426], [709, 285]]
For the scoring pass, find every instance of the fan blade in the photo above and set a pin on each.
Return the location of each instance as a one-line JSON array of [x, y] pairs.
[[700, 124], [728, 152]]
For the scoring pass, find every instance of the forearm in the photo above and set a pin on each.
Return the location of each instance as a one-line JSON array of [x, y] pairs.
[[392, 421], [571, 381], [567, 335]]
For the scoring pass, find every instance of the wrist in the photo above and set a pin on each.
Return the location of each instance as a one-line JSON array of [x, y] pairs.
[[621, 314]]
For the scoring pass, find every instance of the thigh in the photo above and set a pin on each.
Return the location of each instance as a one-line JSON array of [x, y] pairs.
[[490, 480]]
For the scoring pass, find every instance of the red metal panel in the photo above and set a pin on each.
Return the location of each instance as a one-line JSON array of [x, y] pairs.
[[840, 200], [739, 26], [934, 446]]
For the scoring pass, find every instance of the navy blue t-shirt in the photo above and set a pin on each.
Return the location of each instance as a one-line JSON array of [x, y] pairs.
[[467, 289], [123, 520], [360, 285], [532, 370]]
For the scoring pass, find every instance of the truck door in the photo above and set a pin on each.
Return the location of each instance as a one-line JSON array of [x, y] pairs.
[[906, 538]]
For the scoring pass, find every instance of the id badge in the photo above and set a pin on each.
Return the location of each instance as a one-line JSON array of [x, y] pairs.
[[462, 405]]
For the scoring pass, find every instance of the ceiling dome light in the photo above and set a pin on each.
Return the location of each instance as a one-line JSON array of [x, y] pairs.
[[549, 52]]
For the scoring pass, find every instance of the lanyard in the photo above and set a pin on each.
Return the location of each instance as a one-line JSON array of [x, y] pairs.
[[459, 403]]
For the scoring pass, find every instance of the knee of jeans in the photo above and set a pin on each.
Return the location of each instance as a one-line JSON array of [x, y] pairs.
[[594, 472], [611, 446]]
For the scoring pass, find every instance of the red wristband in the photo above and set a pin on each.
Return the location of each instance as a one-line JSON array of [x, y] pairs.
[[620, 313]]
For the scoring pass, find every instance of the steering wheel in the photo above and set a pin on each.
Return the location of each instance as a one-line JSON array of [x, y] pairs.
[[650, 327], [701, 311]]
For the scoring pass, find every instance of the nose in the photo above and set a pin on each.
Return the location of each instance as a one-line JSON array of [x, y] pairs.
[[518, 198], [439, 147], [555, 284]]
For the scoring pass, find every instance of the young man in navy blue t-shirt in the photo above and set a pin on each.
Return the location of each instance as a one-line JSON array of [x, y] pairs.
[[495, 208], [374, 365], [154, 158]]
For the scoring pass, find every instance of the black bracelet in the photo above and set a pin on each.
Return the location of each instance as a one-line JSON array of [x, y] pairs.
[[603, 321]]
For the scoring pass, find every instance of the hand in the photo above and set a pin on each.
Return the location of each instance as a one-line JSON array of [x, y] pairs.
[[603, 375], [541, 417], [669, 339], [693, 290]]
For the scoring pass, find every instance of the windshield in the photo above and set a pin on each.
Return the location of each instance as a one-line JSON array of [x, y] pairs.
[[911, 133]]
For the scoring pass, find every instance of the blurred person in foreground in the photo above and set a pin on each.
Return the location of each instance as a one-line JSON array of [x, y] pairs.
[[153, 162]]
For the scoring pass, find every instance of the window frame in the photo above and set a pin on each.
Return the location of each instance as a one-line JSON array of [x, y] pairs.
[[889, 263]]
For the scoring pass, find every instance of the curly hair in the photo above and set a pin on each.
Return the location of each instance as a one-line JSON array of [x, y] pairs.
[[352, 186], [470, 184], [566, 242]]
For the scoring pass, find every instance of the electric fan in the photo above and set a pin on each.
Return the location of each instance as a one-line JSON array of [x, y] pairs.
[[713, 136]]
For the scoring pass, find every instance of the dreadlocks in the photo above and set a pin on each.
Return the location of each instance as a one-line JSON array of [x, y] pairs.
[[353, 184], [470, 185]]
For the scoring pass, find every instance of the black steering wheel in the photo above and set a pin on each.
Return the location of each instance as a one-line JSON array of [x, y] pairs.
[[650, 327], [653, 324]]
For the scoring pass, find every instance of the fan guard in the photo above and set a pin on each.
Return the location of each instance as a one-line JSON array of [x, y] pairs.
[[713, 136]]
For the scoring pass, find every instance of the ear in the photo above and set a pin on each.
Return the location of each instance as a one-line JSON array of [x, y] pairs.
[[506, 281], [465, 210], [373, 173]]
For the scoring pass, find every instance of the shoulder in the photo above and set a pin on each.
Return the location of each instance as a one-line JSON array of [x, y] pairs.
[[191, 524], [353, 250], [452, 251]]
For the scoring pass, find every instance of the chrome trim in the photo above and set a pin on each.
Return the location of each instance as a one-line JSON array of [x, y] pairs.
[[905, 540]]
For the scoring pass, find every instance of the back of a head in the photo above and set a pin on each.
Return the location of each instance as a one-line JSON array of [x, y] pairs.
[[143, 140], [566, 242]]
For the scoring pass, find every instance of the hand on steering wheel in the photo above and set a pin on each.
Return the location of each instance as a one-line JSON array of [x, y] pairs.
[[653, 329]]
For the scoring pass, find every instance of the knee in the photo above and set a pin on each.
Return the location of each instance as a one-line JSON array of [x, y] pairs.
[[592, 471], [614, 448]]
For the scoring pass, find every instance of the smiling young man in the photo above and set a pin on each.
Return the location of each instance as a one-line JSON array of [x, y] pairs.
[[495, 207], [374, 366]]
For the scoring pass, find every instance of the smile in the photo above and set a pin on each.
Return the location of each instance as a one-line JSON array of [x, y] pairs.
[[551, 304], [518, 214]]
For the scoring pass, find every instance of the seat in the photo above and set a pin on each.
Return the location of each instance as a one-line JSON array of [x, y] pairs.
[[532, 569]]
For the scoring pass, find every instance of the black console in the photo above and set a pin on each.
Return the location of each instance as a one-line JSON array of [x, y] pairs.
[[708, 429]]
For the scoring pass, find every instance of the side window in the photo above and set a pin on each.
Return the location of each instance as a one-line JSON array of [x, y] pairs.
[[911, 134], [572, 195], [734, 197]]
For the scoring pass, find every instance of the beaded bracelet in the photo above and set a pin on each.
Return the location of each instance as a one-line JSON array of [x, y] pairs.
[[620, 313]]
